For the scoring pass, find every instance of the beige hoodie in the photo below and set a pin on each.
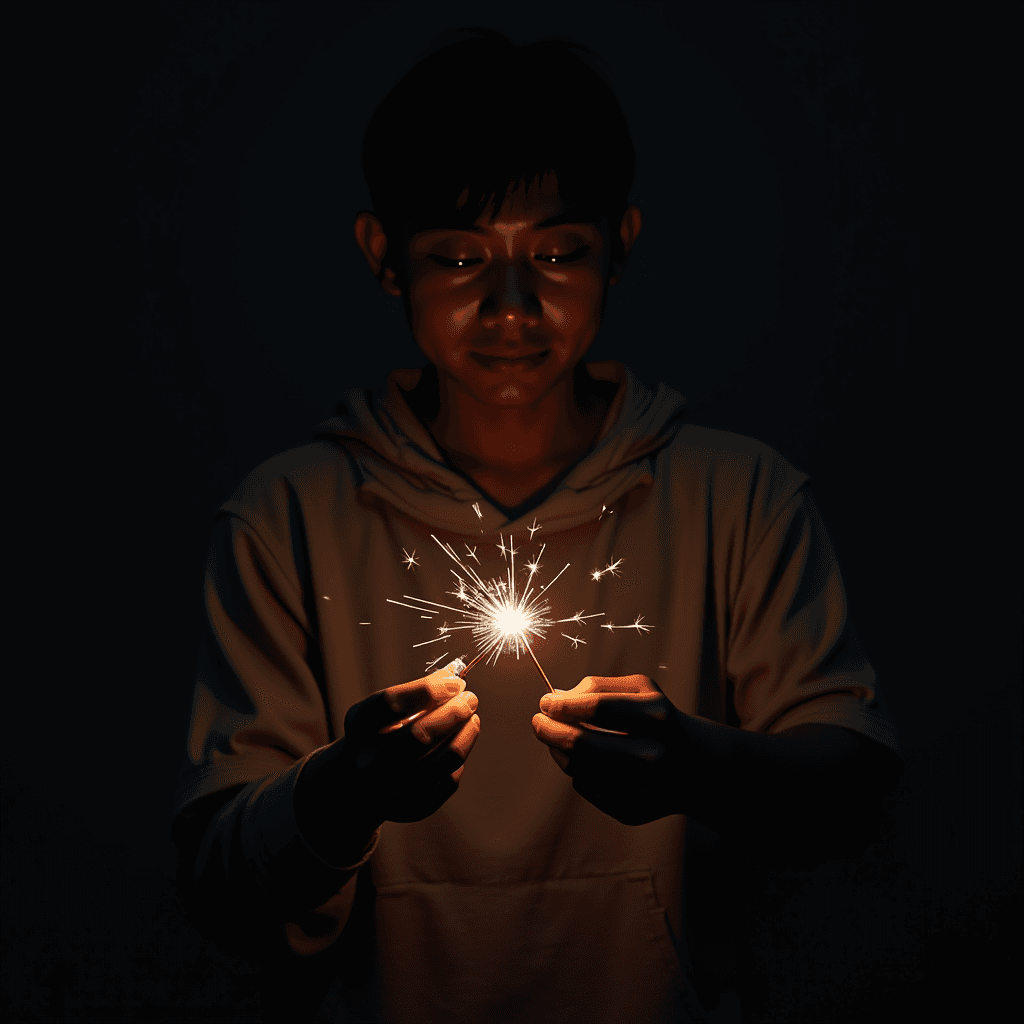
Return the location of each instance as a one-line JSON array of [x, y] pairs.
[[518, 900]]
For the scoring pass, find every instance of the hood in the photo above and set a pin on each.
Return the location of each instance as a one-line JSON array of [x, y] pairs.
[[399, 461]]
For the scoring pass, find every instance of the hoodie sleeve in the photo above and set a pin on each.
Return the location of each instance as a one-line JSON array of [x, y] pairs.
[[258, 714], [793, 654]]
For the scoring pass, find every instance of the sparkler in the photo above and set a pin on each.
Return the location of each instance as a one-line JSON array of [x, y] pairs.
[[499, 616]]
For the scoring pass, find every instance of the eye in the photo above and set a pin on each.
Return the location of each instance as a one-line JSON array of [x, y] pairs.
[[572, 257], [453, 264]]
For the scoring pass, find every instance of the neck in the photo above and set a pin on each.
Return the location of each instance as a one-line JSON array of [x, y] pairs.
[[512, 453]]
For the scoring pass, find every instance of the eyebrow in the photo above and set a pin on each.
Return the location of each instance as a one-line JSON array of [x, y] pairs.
[[569, 217]]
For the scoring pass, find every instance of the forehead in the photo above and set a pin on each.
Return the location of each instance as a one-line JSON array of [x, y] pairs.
[[539, 207]]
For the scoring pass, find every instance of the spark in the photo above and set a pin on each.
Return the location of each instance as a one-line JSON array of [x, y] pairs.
[[414, 607], [501, 547], [560, 571], [604, 508], [636, 624], [612, 568], [435, 661], [501, 616], [476, 509], [409, 560], [533, 529], [579, 617], [535, 565], [365, 623]]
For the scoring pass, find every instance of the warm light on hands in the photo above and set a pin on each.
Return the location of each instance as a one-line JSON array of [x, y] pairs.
[[635, 776]]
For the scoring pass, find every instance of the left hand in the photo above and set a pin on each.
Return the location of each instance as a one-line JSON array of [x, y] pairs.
[[636, 776]]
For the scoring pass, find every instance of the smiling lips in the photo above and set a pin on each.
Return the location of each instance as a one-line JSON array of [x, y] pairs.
[[528, 361]]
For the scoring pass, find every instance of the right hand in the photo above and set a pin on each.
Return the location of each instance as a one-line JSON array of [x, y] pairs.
[[402, 755]]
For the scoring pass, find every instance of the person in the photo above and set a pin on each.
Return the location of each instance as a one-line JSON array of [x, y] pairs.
[[518, 851]]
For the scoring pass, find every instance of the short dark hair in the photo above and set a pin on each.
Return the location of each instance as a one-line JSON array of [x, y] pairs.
[[487, 115]]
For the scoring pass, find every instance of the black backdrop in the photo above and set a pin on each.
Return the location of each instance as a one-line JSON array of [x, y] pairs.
[[815, 180]]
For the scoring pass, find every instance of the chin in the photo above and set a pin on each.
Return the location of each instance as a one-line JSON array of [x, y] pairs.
[[512, 393]]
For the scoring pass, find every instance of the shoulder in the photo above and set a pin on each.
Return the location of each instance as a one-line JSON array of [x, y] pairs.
[[731, 470], [724, 452], [316, 474]]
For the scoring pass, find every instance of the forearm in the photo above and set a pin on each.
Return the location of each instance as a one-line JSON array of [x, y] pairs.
[[336, 829], [244, 868], [812, 791]]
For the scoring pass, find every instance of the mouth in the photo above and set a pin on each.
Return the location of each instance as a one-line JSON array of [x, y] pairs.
[[528, 361]]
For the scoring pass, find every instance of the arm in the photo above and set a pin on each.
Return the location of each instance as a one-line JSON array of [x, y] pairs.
[[276, 853], [210, 859], [799, 796], [245, 867], [796, 797], [805, 792]]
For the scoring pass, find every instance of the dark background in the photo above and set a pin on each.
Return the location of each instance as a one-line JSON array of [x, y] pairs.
[[820, 190]]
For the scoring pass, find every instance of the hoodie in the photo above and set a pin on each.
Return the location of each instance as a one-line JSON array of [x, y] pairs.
[[691, 555]]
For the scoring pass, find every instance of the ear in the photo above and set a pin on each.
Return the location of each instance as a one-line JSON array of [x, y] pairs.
[[629, 229], [373, 243]]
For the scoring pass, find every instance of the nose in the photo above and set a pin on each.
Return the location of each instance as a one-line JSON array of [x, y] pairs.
[[511, 308]]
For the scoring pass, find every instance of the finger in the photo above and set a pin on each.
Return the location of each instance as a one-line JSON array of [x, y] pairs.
[[449, 757], [616, 684], [642, 712], [557, 735], [385, 707], [612, 754], [560, 758], [438, 724], [464, 743]]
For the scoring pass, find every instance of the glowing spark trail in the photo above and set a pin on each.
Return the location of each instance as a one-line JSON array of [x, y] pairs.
[[535, 565], [611, 568], [431, 664], [639, 626], [409, 560], [533, 529], [500, 615]]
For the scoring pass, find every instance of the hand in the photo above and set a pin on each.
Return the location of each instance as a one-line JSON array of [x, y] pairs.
[[635, 776], [402, 755]]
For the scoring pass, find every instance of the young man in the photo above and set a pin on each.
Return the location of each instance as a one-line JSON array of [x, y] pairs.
[[519, 853]]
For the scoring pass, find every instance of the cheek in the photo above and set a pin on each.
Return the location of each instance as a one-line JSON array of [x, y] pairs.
[[443, 328], [454, 326], [556, 315], [569, 321]]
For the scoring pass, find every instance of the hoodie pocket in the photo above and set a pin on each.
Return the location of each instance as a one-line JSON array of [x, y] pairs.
[[594, 950]]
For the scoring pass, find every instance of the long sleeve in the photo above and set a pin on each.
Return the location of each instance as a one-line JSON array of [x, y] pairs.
[[796, 666], [793, 653], [258, 715]]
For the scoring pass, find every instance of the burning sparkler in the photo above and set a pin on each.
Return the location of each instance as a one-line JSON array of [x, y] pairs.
[[498, 615]]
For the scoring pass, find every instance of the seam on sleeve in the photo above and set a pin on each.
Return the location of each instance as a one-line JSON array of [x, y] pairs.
[[801, 491], [265, 547]]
